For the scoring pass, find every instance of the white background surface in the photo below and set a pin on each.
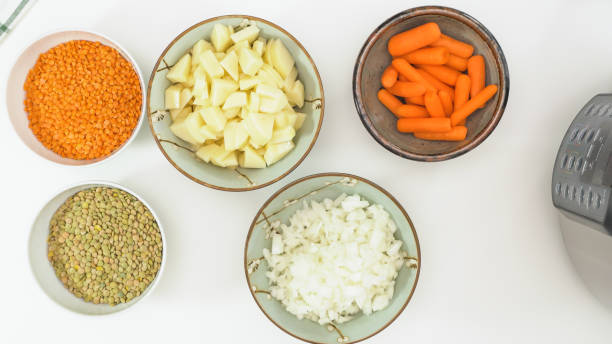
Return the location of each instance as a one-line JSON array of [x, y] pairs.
[[494, 267]]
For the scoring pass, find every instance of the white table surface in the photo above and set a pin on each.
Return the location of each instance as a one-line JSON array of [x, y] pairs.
[[494, 267]]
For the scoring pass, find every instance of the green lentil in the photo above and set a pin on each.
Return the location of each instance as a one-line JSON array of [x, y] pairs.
[[104, 245]]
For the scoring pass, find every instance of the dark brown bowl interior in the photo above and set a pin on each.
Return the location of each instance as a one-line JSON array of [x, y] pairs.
[[374, 58]]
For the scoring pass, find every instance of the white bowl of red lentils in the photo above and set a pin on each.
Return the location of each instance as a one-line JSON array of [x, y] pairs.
[[75, 97]]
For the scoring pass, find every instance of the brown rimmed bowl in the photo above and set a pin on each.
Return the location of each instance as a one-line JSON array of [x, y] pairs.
[[280, 207], [374, 58], [181, 155]]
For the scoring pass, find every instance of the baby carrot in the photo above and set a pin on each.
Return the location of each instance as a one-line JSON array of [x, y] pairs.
[[447, 102], [473, 104], [407, 89], [414, 39], [411, 111], [388, 100], [454, 46], [389, 77], [402, 78], [455, 134], [439, 85], [476, 72], [462, 90], [405, 69], [433, 104], [418, 100], [456, 62], [442, 73], [428, 125], [433, 56]]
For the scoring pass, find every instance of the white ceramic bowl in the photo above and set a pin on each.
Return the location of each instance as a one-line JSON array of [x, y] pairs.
[[44, 272], [15, 95]]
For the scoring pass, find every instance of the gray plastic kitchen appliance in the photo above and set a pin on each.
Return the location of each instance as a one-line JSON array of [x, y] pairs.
[[581, 189]]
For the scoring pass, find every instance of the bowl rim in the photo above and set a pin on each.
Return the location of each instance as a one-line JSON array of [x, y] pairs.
[[124, 53], [252, 187], [333, 174], [104, 183], [482, 31]]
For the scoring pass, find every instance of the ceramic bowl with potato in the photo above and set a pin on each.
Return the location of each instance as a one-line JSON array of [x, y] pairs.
[[235, 103], [374, 58]]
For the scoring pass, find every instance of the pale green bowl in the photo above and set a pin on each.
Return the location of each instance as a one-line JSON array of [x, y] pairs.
[[178, 152], [280, 207]]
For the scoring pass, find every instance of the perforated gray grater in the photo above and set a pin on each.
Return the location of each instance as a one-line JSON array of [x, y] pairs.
[[581, 189]]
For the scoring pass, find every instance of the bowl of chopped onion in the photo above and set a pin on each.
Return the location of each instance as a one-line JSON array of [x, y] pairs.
[[332, 258]]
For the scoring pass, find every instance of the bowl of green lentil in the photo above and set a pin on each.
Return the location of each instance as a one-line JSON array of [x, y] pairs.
[[97, 248]]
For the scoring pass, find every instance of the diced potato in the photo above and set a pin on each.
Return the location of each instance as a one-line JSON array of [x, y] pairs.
[[270, 73], [214, 118], [232, 112], [190, 81], [221, 89], [236, 47], [247, 82], [185, 97], [197, 49], [275, 152], [220, 37], [202, 103], [235, 100], [210, 64], [284, 119], [282, 135], [268, 52], [261, 150], [269, 105], [230, 64], [235, 135], [210, 151], [230, 161], [272, 99], [249, 61], [253, 105], [259, 127], [281, 58], [249, 34], [210, 133], [188, 129], [179, 114], [180, 71], [259, 45], [244, 112], [295, 94], [268, 91], [173, 97], [290, 79], [200, 84], [299, 120], [251, 159], [230, 29]]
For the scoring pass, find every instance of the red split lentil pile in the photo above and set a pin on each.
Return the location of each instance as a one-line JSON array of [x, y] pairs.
[[83, 99]]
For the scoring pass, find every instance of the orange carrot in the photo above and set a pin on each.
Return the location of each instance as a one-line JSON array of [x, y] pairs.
[[419, 100], [473, 104], [407, 89], [414, 39], [427, 125], [402, 78], [456, 62], [433, 104], [455, 134], [445, 74], [476, 72], [405, 69], [411, 111], [439, 85], [462, 90], [454, 46], [433, 56], [388, 100], [447, 102], [389, 77]]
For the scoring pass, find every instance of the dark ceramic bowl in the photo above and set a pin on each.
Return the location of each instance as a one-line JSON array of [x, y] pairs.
[[374, 58]]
